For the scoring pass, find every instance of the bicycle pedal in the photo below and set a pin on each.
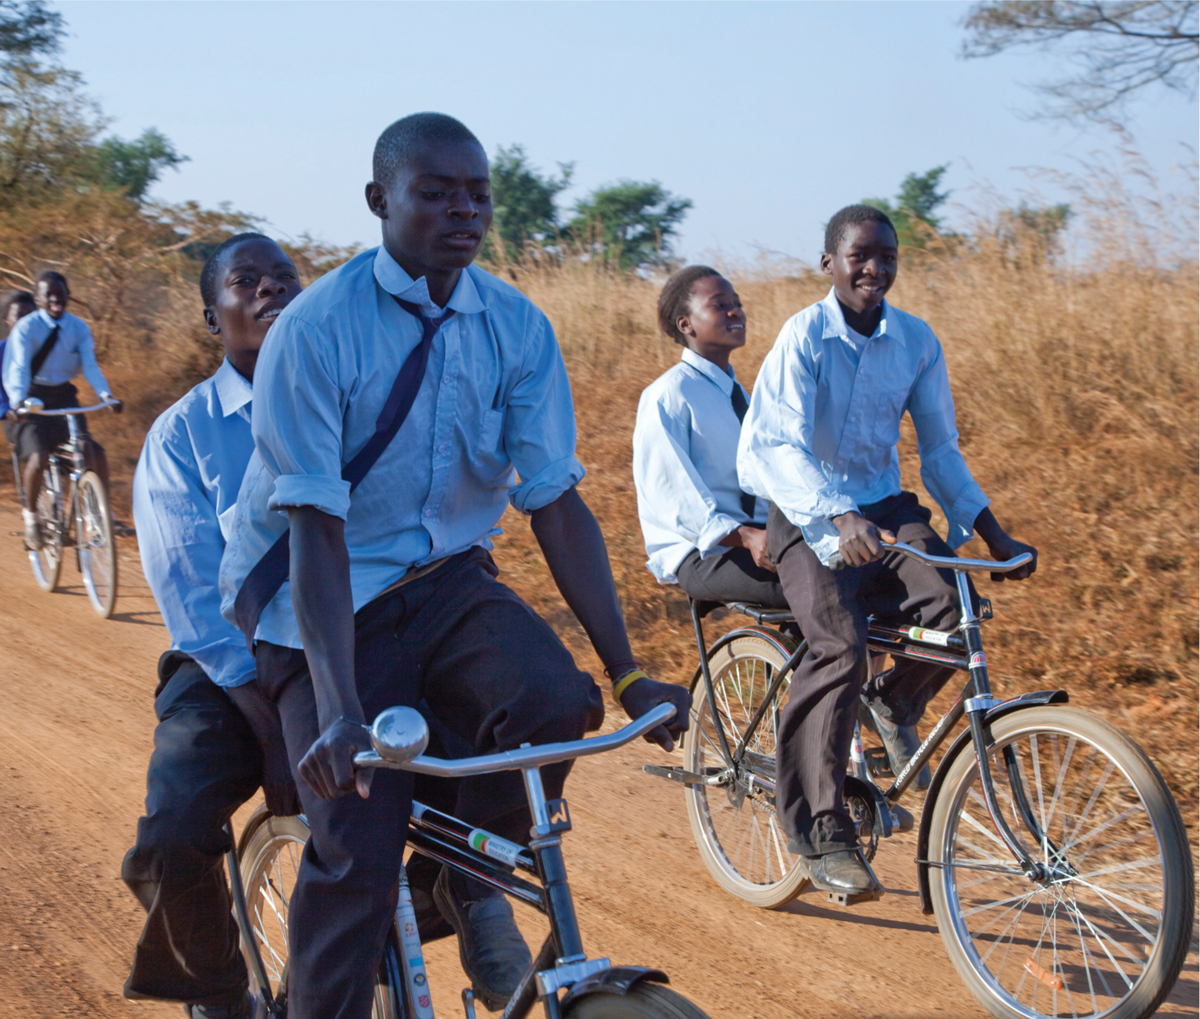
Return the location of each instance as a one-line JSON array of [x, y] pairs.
[[853, 899], [877, 762]]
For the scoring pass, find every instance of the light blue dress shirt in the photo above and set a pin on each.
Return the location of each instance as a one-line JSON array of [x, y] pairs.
[[820, 437], [493, 423], [184, 492], [685, 464], [74, 352]]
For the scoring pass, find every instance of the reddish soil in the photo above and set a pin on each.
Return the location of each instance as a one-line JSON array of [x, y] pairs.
[[76, 730]]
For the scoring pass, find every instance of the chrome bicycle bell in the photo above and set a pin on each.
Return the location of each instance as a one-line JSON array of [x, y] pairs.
[[399, 734]]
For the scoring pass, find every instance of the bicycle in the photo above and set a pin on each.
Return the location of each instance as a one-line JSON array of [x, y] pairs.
[[263, 869], [73, 510], [1049, 850]]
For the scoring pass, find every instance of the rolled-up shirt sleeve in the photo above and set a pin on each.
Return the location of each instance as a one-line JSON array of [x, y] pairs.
[[297, 418], [539, 423], [775, 452], [672, 496], [943, 470], [180, 542], [91, 368]]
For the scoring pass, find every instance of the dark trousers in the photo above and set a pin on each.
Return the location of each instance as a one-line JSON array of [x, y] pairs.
[[496, 676], [731, 575], [206, 763], [831, 607]]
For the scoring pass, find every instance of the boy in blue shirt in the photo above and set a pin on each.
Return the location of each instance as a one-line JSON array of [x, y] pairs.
[[15, 306], [820, 441]]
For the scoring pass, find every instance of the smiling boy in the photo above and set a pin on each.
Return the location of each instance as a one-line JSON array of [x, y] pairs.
[[820, 442], [393, 596], [208, 757]]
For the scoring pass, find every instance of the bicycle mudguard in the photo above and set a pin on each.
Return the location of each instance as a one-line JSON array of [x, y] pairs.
[[785, 643], [1035, 698], [618, 980]]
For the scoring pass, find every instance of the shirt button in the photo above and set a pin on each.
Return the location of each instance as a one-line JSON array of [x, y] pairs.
[[445, 380], [428, 511], [441, 449], [853, 417]]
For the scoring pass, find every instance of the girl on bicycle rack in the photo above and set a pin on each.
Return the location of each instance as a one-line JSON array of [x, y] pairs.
[[819, 442], [45, 351]]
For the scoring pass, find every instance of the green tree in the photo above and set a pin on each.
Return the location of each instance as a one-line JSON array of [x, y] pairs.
[[522, 201], [913, 211], [1110, 49], [134, 165], [634, 220]]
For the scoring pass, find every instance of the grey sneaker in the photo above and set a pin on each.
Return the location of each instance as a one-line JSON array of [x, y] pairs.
[[33, 535], [900, 741], [494, 955]]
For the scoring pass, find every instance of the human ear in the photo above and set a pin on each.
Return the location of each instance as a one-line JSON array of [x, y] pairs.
[[376, 199], [210, 320], [684, 325], [827, 264]]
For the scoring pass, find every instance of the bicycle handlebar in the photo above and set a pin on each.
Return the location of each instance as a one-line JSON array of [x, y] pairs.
[[32, 405], [947, 562], [526, 757]]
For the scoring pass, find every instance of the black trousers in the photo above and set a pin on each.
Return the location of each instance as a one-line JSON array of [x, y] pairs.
[[732, 575], [496, 676], [206, 763], [43, 434], [831, 607]]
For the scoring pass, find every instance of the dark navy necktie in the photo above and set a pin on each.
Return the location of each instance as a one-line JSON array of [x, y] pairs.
[[263, 582], [740, 406]]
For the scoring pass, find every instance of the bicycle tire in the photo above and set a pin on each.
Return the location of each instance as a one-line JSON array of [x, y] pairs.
[[94, 544], [739, 837], [269, 855], [47, 563], [643, 1001], [1087, 940]]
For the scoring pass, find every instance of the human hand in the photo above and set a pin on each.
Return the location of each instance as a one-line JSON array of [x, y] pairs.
[[754, 541], [1004, 547], [860, 541], [643, 695], [328, 767], [117, 406], [11, 415]]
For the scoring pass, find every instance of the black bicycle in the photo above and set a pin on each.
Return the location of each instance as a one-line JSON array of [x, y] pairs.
[[73, 512], [1050, 850], [562, 978]]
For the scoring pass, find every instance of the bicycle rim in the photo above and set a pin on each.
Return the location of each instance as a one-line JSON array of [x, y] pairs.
[[735, 826], [1103, 933], [97, 553], [47, 563]]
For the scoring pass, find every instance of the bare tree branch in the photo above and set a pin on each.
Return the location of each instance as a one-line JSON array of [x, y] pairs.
[[1115, 47]]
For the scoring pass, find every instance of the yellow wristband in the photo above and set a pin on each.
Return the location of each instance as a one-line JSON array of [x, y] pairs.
[[622, 684]]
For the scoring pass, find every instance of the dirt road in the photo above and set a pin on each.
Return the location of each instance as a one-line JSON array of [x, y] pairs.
[[76, 726]]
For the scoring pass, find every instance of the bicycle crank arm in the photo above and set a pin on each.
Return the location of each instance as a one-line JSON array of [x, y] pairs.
[[715, 777]]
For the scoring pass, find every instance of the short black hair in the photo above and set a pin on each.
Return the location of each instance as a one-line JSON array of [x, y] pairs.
[[852, 215], [212, 265], [400, 139], [676, 298], [50, 276], [15, 297]]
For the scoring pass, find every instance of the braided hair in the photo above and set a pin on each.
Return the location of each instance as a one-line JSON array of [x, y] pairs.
[[675, 301], [850, 216]]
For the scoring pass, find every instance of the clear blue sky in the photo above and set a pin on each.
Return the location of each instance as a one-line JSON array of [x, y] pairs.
[[769, 116]]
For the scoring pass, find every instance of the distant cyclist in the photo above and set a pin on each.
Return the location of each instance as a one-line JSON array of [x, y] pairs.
[[45, 351], [15, 306]]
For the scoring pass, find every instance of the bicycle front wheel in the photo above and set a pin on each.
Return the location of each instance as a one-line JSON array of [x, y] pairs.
[[1103, 930], [47, 563], [97, 553], [270, 861], [734, 823], [645, 1001]]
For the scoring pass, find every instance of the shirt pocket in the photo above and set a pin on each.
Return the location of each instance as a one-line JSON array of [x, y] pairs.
[[489, 460], [888, 415]]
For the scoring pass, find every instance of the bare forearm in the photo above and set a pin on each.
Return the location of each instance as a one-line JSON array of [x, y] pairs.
[[324, 606], [574, 549]]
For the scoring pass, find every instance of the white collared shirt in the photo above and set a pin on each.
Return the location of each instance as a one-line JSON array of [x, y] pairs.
[[685, 464], [184, 491], [493, 423], [73, 353], [820, 437]]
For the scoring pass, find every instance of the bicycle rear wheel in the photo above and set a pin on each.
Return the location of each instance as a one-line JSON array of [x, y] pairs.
[[734, 824], [644, 1001], [47, 563], [1105, 929], [97, 553], [270, 855]]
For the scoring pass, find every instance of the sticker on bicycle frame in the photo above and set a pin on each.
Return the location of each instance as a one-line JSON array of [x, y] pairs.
[[497, 848], [978, 660], [929, 636]]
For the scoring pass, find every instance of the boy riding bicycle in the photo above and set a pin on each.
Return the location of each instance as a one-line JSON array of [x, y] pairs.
[[45, 351], [819, 441]]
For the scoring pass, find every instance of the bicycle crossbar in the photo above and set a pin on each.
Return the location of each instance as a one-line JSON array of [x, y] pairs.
[[526, 757]]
